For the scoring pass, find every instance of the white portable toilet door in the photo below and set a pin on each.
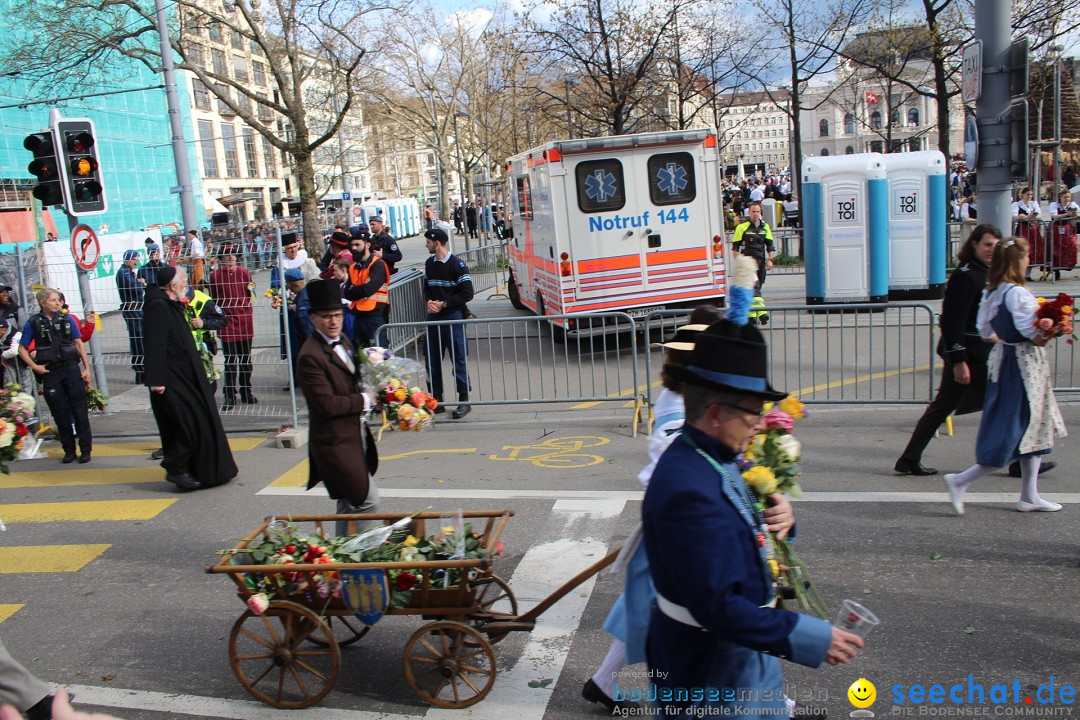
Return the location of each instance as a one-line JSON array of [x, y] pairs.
[[847, 271], [907, 231]]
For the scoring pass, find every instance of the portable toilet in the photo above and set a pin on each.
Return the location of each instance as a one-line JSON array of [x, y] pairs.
[[845, 235], [772, 212], [917, 216]]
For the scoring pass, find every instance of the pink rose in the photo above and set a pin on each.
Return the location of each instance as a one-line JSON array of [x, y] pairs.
[[1045, 324], [779, 419], [258, 603]]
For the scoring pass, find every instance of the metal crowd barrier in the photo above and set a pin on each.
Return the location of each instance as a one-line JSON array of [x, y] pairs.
[[1053, 246], [788, 242]]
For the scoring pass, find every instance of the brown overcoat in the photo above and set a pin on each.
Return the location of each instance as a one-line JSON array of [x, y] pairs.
[[336, 437]]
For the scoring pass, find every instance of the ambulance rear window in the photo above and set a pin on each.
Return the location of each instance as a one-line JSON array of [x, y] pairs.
[[524, 198], [671, 179], [600, 186]]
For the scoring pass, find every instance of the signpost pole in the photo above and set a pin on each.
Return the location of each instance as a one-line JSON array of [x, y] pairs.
[[87, 298]]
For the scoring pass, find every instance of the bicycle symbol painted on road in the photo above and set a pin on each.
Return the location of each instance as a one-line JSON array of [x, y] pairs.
[[560, 453]]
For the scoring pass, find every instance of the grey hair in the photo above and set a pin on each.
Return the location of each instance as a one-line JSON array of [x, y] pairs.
[[44, 293], [698, 400]]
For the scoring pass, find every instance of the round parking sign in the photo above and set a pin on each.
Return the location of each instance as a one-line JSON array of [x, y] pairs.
[[85, 247]]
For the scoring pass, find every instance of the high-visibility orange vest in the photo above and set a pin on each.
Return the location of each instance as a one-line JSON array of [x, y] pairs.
[[359, 276]]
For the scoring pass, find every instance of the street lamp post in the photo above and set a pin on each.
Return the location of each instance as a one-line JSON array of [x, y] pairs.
[[461, 165], [569, 118]]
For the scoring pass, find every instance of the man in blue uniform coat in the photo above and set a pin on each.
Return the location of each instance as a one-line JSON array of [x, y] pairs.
[[715, 633]]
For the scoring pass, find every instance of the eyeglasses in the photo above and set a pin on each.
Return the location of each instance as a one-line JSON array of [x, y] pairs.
[[330, 317], [758, 413]]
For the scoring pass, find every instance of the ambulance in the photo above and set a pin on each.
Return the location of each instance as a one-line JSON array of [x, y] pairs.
[[630, 223]]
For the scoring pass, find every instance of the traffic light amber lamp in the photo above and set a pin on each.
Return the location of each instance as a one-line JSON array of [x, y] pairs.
[[82, 178]]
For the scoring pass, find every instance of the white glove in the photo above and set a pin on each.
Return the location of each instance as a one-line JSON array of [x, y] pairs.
[[13, 350]]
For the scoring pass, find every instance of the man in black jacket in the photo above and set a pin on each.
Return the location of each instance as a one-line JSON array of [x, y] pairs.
[[448, 287], [383, 240]]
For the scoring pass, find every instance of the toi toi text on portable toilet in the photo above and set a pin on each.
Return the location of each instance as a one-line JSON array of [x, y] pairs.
[[845, 235], [917, 215]]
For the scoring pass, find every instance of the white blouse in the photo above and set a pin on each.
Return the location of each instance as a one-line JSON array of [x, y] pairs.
[[1020, 302], [1056, 209], [1028, 208]]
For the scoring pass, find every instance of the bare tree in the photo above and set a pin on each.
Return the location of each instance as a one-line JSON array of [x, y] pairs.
[[309, 46]]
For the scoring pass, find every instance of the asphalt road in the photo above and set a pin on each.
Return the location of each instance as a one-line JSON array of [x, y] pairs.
[[139, 630]]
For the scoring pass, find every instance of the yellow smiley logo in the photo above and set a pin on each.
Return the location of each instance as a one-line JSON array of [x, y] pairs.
[[862, 693]]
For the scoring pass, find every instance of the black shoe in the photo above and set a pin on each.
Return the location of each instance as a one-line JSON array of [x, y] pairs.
[[42, 710], [69, 457], [461, 411], [228, 404], [84, 458], [184, 481], [592, 692], [907, 467], [248, 399], [157, 454], [1014, 469], [808, 712]]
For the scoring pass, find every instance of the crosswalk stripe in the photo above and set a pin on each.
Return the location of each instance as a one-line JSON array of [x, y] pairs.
[[297, 476], [90, 511], [48, 558], [7, 610], [70, 478], [145, 447]]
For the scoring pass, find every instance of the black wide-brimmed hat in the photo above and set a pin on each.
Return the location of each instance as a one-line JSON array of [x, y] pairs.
[[324, 295], [729, 358]]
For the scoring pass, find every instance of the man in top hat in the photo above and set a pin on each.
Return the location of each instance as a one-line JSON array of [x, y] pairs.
[[341, 451], [230, 286], [715, 624], [384, 241], [131, 307]]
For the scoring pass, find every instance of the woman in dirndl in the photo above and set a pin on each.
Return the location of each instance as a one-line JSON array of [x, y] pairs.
[[1064, 214], [1025, 212], [1020, 414]]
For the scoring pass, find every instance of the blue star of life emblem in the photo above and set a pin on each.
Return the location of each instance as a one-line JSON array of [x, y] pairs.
[[672, 178], [600, 186]]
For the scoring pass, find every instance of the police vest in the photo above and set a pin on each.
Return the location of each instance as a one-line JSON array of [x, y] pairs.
[[198, 301], [753, 240], [53, 340], [358, 276]]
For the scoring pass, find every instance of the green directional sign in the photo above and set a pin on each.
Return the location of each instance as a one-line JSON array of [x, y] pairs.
[[105, 268]]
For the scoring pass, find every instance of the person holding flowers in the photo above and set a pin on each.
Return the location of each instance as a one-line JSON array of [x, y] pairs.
[[1020, 415], [715, 624]]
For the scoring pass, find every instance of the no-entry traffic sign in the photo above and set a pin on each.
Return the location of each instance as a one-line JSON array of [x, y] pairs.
[[85, 247]]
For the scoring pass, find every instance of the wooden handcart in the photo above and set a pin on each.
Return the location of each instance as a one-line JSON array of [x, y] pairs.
[[289, 656]]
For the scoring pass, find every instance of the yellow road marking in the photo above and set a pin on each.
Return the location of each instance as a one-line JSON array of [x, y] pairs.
[[7, 611], [48, 558], [70, 478], [146, 447], [861, 378], [621, 393], [90, 511], [298, 475]]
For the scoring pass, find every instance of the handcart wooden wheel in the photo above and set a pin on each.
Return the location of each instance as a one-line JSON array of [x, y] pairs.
[[271, 659], [346, 630], [449, 664], [494, 600]]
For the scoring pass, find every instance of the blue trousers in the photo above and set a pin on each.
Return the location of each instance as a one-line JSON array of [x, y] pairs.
[[440, 340], [366, 327]]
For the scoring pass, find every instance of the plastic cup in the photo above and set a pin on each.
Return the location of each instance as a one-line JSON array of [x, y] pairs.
[[856, 619]]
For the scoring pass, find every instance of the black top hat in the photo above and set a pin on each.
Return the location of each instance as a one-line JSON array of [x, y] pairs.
[[324, 295], [729, 358], [288, 239], [340, 239]]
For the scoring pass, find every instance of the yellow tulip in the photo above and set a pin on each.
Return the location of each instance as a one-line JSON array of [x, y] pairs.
[[410, 541], [793, 407]]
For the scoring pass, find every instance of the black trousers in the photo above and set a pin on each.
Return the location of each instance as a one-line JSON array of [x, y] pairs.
[[945, 402], [135, 345], [65, 394], [237, 367]]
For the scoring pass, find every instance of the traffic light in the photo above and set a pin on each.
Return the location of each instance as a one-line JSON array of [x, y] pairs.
[[79, 167], [49, 189]]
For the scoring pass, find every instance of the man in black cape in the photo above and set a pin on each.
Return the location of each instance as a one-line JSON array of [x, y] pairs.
[[196, 452]]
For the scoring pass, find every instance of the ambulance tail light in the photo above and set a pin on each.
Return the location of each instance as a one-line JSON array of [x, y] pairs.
[[553, 155], [717, 247], [564, 267], [710, 141]]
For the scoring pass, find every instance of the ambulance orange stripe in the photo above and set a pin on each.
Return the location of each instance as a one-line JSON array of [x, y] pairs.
[[657, 300], [663, 257], [621, 262]]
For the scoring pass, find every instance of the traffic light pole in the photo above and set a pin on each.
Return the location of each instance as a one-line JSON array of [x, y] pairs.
[[994, 179], [96, 358], [179, 146]]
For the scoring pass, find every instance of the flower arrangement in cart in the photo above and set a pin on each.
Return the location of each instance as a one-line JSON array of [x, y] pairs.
[[1055, 317], [16, 414], [407, 408], [285, 544]]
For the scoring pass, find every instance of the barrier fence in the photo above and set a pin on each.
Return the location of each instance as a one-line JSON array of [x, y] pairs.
[[1052, 243]]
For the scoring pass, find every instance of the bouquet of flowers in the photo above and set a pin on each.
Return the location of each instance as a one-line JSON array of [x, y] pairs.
[[96, 400], [408, 408], [212, 373], [771, 465], [1055, 317], [16, 412], [285, 544], [274, 294]]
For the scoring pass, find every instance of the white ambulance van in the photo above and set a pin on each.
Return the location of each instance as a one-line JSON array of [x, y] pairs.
[[630, 223]]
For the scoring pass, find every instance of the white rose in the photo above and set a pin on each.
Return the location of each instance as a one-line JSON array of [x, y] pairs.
[[789, 447], [7, 433]]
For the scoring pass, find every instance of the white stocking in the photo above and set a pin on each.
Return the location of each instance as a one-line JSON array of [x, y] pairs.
[[962, 479], [614, 661], [1029, 474]]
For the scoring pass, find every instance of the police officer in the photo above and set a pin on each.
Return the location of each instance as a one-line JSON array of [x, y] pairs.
[[58, 351], [754, 238], [382, 240], [131, 307]]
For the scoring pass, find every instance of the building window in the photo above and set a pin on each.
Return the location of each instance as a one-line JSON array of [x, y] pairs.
[[824, 152], [228, 139], [875, 120], [914, 144], [877, 146], [195, 55], [222, 92], [823, 128], [268, 158], [217, 58], [249, 153], [239, 64], [849, 124], [433, 179], [913, 116], [894, 117], [209, 149], [849, 150], [215, 32], [255, 49], [259, 71], [266, 113], [243, 102], [237, 40], [430, 159], [202, 95]]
